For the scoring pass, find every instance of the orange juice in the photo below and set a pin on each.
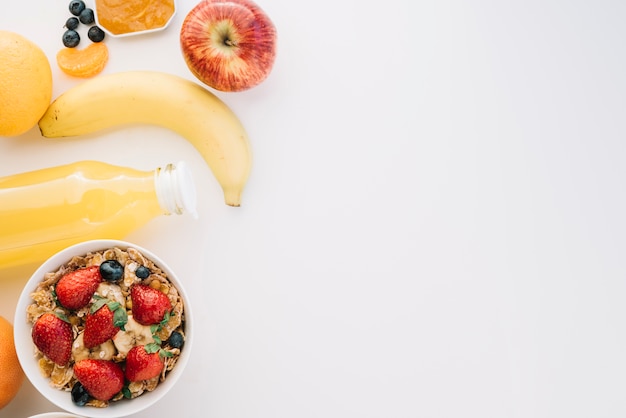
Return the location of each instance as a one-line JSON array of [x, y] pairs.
[[44, 211]]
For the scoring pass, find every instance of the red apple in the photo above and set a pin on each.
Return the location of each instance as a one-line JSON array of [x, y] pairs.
[[229, 45]]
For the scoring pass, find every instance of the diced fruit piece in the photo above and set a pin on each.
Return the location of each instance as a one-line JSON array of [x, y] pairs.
[[86, 62], [149, 305], [141, 365], [80, 396], [53, 336], [75, 289], [134, 334], [72, 23], [95, 34], [111, 270], [86, 16], [99, 327], [76, 7], [71, 38], [103, 379]]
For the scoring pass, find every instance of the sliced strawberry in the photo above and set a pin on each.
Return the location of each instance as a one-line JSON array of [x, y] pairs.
[[103, 379], [101, 324], [75, 289], [142, 364], [149, 305], [53, 336]]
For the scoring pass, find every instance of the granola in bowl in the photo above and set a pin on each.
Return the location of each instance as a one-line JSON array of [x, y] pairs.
[[108, 326]]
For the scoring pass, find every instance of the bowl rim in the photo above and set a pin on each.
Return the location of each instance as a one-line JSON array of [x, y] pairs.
[[26, 350]]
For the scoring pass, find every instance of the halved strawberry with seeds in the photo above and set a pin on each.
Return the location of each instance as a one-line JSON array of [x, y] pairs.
[[144, 362], [103, 321], [102, 379], [149, 305], [53, 336], [75, 289]]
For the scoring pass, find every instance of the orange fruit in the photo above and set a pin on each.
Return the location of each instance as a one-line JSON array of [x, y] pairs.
[[25, 83], [85, 62], [11, 373]]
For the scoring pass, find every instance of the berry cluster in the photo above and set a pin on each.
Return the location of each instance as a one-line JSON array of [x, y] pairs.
[[81, 14]]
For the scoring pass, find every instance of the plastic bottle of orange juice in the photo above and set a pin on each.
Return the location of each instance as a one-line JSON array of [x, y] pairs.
[[44, 211]]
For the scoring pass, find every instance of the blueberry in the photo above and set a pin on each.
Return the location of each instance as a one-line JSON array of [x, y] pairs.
[[142, 272], [80, 396], [71, 38], [71, 23], [86, 16], [176, 340], [111, 270], [95, 34], [77, 6]]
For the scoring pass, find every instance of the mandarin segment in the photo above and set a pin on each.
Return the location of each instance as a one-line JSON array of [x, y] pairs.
[[84, 63]]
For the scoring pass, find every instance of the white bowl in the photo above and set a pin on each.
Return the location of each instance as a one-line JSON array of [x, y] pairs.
[[25, 347], [55, 415]]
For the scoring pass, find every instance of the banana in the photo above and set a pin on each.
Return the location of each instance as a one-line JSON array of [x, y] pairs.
[[162, 99], [134, 334], [112, 292], [104, 351]]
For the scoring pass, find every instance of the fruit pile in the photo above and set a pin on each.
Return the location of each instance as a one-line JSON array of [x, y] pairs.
[[107, 326], [95, 336], [89, 61]]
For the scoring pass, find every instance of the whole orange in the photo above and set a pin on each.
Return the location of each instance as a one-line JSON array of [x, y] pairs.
[[25, 83], [11, 373]]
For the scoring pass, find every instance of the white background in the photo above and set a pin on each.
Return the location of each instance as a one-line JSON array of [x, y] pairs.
[[434, 225]]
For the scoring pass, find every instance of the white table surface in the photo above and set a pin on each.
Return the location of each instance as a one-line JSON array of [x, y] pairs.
[[434, 225]]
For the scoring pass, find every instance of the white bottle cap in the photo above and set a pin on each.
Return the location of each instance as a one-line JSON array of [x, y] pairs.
[[176, 189]]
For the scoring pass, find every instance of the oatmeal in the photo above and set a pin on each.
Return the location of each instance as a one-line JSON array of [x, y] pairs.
[[107, 326]]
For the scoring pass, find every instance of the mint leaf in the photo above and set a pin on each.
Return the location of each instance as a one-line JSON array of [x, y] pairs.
[[113, 305], [165, 353], [54, 296], [120, 317], [99, 303], [152, 348], [62, 316], [166, 318], [126, 391]]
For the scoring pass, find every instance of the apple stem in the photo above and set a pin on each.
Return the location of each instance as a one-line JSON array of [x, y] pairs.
[[228, 42]]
